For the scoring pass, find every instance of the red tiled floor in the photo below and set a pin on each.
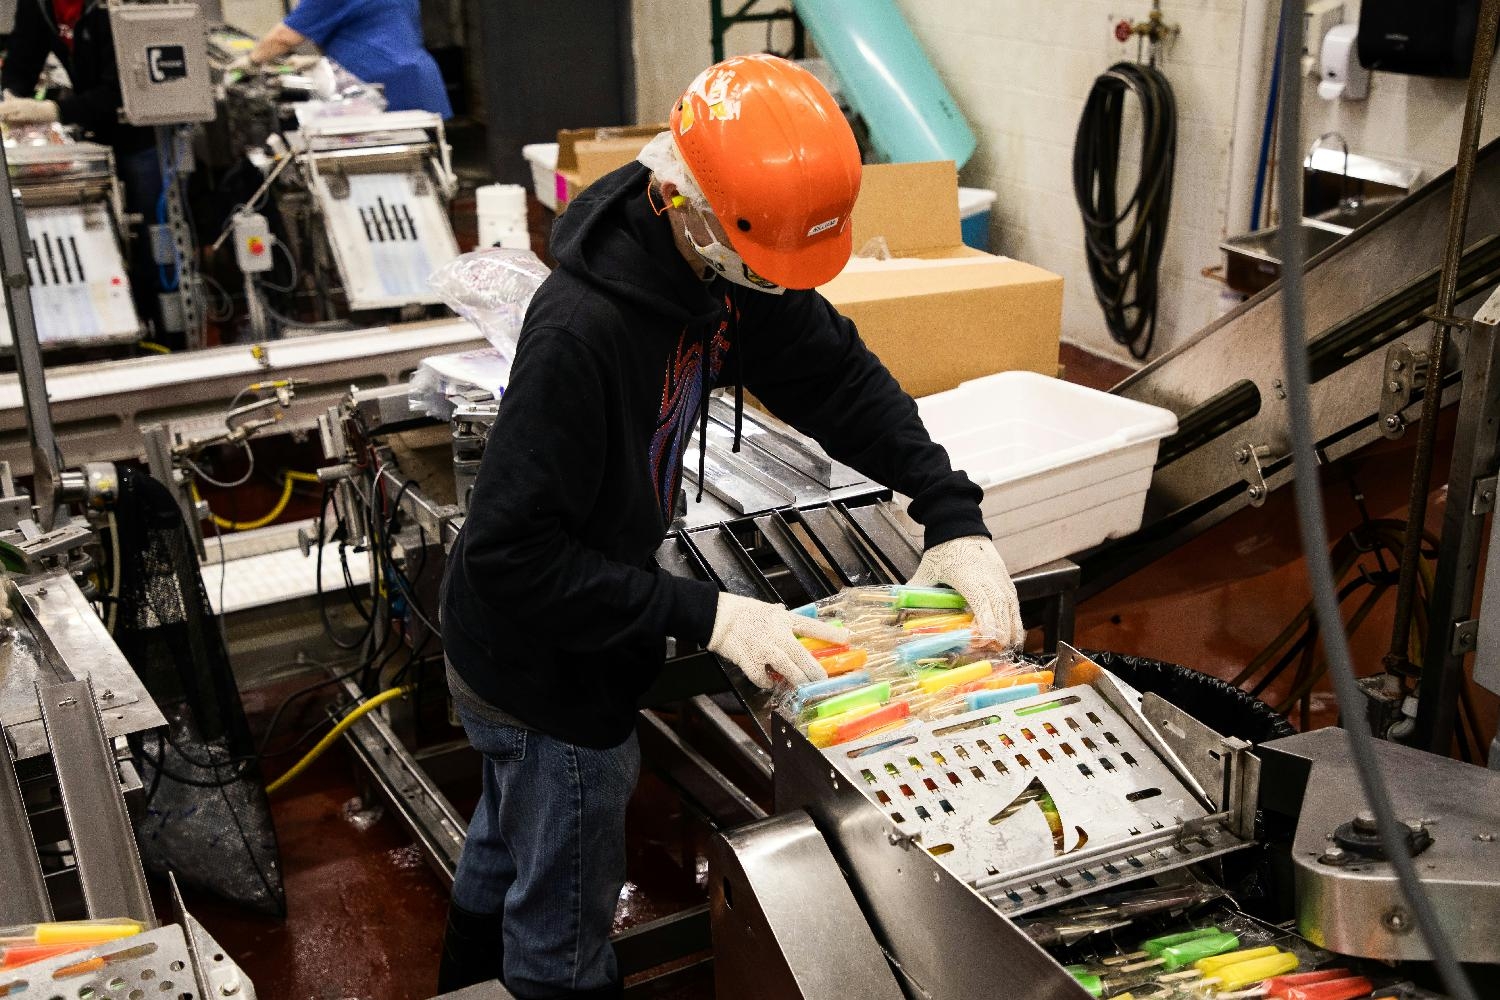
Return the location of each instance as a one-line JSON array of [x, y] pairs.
[[364, 913]]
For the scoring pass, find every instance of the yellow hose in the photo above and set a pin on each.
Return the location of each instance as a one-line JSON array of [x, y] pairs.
[[288, 478], [336, 732]]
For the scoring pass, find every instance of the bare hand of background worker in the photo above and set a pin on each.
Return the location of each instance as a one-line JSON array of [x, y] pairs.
[[26, 111], [972, 567], [760, 638]]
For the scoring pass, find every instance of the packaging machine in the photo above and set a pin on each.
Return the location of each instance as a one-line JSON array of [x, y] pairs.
[[80, 285], [379, 187], [70, 703]]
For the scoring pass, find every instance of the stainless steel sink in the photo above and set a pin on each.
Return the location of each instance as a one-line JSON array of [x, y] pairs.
[[1253, 261]]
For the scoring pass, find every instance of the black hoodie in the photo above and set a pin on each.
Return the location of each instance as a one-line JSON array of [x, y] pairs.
[[554, 610], [94, 102]]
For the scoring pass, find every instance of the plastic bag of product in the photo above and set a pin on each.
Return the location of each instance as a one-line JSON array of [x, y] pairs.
[[441, 380], [912, 654], [491, 288]]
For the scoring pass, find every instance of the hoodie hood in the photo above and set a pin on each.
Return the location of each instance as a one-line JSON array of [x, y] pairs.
[[610, 237]]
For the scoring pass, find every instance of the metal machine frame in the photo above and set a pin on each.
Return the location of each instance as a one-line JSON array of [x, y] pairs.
[[901, 899]]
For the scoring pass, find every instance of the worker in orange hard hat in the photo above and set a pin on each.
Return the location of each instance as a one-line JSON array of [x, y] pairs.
[[692, 269]]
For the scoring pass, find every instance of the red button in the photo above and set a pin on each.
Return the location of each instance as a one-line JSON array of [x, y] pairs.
[[257, 246]]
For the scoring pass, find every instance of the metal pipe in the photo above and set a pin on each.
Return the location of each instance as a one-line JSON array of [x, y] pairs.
[[1249, 102], [1432, 396], [15, 246]]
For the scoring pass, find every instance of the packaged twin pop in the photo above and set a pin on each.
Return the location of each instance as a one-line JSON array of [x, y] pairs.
[[912, 653], [20, 946]]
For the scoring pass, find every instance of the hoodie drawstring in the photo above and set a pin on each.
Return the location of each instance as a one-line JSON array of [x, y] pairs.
[[738, 347], [705, 345], [705, 387]]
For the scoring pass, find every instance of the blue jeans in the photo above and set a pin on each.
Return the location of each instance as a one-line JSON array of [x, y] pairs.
[[546, 848]]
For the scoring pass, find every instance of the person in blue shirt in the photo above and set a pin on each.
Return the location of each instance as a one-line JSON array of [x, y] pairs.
[[379, 41]]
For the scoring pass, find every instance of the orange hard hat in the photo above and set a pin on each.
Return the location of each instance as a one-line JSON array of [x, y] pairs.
[[772, 153]]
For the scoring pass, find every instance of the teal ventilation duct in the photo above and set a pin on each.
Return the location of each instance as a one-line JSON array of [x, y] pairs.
[[888, 80]]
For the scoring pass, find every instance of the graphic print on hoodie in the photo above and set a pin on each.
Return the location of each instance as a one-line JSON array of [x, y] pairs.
[[681, 395], [554, 609]]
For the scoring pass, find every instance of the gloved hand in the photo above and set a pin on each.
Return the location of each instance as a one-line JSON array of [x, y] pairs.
[[972, 567], [26, 111], [759, 637]]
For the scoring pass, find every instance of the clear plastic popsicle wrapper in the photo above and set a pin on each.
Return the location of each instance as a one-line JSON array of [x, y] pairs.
[[23, 945], [911, 654]]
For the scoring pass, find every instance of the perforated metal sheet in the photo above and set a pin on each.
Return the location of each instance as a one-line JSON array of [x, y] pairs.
[[1036, 801]]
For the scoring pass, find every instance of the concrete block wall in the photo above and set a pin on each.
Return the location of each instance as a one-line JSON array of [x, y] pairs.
[[1412, 119], [1021, 71]]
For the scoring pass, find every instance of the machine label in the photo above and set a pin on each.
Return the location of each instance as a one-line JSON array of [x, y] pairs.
[[166, 63]]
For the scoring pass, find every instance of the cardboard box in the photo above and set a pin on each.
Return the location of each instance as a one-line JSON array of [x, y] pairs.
[[586, 154], [939, 313]]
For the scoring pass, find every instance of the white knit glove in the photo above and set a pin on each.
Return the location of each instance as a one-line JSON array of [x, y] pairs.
[[972, 567], [26, 111], [760, 638]]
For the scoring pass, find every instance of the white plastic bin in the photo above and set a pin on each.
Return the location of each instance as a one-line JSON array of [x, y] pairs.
[[543, 159], [1063, 467]]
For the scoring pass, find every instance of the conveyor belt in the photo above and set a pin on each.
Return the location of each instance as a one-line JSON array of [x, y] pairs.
[[1364, 294]]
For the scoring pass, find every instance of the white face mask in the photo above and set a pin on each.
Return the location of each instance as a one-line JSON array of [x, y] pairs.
[[730, 265]]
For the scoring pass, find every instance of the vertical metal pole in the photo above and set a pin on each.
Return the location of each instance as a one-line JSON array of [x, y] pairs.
[[1432, 398], [15, 247], [718, 25], [171, 138], [1476, 453]]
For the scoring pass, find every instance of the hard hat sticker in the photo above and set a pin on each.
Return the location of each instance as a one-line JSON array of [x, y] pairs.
[[823, 226], [720, 92]]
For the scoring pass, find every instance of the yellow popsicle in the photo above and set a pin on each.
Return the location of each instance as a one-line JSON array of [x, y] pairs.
[[1211, 965], [937, 680], [86, 931]]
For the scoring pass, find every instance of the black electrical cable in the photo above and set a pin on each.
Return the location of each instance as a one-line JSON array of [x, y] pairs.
[[1125, 273], [322, 604], [1312, 525]]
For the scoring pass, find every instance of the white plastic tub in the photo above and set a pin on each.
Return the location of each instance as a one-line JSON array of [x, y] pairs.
[[543, 159], [1063, 467]]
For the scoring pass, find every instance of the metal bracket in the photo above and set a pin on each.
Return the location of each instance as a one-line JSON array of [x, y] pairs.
[[1465, 637], [1451, 322], [1405, 374], [1250, 456], [1484, 495]]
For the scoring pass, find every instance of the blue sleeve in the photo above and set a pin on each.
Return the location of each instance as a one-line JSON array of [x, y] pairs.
[[320, 19]]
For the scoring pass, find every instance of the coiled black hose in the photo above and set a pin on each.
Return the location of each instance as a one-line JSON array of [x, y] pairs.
[[1125, 273]]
